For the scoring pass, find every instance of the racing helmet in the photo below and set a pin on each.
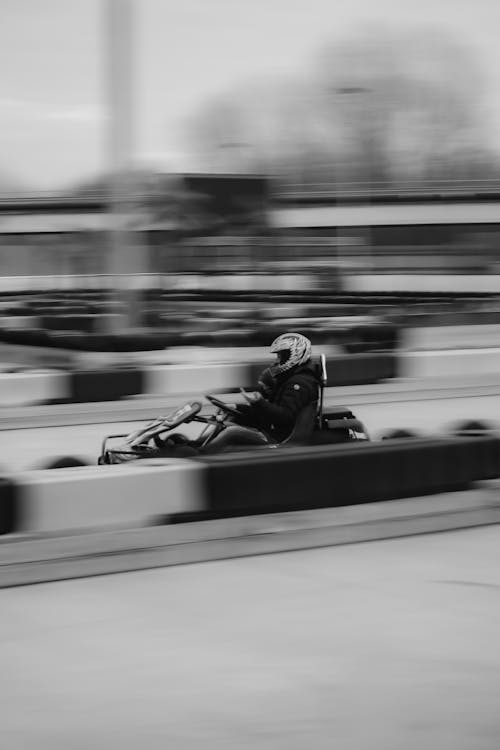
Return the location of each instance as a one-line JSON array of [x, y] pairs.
[[292, 349]]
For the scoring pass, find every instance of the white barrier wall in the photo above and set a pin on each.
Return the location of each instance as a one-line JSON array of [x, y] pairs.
[[415, 282], [463, 362], [182, 379], [19, 322], [32, 387], [27, 388], [108, 496], [228, 282], [451, 337]]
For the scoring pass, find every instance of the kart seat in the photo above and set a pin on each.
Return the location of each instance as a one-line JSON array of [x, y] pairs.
[[338, 412], [344, 424], [304, 425]]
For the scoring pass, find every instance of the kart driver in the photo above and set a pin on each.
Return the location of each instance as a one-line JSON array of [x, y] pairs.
[[284, 389]]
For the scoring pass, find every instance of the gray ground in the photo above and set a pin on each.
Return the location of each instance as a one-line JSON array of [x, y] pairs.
[[389, 645]]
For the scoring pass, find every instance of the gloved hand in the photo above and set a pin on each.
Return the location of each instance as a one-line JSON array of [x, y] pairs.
[[253, 398]]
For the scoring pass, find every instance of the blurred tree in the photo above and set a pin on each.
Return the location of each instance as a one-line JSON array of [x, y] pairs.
[[155, 198], [382, 106], [186, 205], [418, 113]]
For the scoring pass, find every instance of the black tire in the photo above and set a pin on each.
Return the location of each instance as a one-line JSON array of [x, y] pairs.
[[64, 462], [398, 435], [471, 427]]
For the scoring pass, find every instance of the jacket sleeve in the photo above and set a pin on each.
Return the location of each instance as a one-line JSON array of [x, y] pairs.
[[247, 416], [296, 394], [267, 382]]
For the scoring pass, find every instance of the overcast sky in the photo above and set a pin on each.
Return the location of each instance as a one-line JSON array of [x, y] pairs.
[[52, 57]]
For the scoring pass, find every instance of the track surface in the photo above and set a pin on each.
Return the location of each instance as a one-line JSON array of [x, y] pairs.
[[380, 646], [26, 448]]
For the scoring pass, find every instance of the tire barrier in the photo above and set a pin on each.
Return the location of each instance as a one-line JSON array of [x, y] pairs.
[[163, 491], [354, 369], [67, 322], [472, 427], [110, 384], [82, 333], [53, 386], [446, 320], [82, 294], [371, 338], [296, 479], [9, 506], [105, 385], [343, 370], [81, 341], [96, 497], [361, 369]]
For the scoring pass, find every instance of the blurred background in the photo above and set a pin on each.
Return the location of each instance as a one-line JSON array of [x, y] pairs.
[[169, 167], [180, 182]]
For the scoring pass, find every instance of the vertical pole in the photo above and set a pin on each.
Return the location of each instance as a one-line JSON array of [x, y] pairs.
[[123, 253], [370, 187]]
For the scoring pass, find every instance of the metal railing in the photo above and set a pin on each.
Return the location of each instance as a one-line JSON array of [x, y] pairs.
[[406, 188], [280, 187]]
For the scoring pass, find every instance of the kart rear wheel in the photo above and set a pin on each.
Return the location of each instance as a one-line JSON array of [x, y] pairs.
[[65, 462], [471, 427]]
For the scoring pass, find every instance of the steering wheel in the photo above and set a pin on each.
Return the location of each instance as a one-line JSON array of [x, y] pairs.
[[225, 407]]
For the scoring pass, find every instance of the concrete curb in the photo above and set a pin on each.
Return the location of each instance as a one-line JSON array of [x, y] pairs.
[[31, 559]]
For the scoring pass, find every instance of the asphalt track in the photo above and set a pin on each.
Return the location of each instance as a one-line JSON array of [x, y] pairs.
[[378, 646], [425, 411]]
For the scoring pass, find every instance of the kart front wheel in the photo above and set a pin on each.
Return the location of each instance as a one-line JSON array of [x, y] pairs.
[[65, 462], [398, 435]]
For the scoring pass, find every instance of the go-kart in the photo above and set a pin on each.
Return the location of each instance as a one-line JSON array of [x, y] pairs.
[[314, 426]]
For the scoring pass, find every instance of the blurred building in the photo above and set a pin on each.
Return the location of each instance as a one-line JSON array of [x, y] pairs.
[[228, 224]]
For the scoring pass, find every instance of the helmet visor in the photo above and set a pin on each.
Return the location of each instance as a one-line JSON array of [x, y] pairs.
[[283, 356]]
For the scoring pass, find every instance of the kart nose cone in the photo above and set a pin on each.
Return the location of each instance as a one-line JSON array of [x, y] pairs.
[[121, 455]]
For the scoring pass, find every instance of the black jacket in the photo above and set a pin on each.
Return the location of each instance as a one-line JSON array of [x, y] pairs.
[[275, 415]]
